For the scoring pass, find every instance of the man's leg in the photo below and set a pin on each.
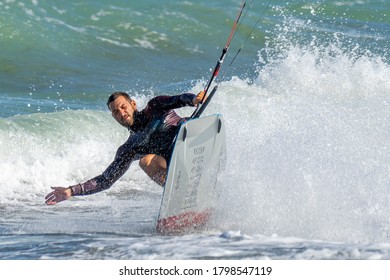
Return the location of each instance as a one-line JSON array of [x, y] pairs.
[[155, 166]]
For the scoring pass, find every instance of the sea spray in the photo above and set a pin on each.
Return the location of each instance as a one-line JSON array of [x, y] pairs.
[[309, 145]]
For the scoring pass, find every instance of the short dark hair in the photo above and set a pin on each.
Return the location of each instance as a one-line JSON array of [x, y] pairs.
[[115, 95]]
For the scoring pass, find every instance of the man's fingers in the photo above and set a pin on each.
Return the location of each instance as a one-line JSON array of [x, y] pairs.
[[49, 195], [54, 197], [51, 202], [51, 199]]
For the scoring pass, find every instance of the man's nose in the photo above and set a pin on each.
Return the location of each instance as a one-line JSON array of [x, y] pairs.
[[122, 112]]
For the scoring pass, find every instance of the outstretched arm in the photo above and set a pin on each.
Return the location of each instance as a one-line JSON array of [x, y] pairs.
[[123, 159]]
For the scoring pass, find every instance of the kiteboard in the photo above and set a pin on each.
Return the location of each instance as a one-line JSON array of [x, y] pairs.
[[191, 189]]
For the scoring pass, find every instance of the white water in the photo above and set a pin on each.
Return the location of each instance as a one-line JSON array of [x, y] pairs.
[[309, 148]]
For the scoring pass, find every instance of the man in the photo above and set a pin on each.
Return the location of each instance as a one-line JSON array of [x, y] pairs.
[[152, 134]]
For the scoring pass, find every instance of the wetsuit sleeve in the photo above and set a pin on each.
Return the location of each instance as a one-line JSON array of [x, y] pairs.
[[172, 102], [123, 159]]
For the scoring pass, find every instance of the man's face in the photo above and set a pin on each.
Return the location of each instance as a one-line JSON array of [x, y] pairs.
[[123, 111]]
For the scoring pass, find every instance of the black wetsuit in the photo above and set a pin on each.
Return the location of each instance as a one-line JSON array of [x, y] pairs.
[[153, 132]]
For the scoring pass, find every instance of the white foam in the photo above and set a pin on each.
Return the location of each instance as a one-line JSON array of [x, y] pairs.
[[113, 42], [308, 147], [58, 149]]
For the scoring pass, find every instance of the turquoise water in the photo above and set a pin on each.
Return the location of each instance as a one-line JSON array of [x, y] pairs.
[[306, 104], [72, 54]]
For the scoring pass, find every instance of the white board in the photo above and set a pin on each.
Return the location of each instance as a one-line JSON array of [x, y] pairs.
[[190, 192]]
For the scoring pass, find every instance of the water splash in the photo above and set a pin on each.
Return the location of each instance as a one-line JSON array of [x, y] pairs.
[[309, 144]]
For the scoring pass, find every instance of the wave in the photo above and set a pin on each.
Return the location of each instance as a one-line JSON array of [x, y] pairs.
[[309, 146], [43, 150]]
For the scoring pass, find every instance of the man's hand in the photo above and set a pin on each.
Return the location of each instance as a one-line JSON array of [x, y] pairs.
[[198, 98], [57, 195]]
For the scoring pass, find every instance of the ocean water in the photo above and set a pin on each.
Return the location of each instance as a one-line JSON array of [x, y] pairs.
[[307, 106]]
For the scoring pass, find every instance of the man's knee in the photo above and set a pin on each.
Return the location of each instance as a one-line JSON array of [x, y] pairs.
[[145, 161], [155, 166]]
